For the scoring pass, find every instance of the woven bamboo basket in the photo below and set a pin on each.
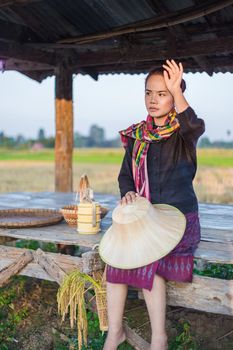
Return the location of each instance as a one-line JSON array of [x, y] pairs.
[[101, 299], [70, 214]]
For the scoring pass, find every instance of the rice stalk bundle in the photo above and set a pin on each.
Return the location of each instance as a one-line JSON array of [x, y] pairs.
[[70, 299]]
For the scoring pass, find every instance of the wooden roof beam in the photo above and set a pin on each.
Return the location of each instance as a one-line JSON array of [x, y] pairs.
[[165, 21], [26, 54], [154, 52], [12, 64], [94, 75], [205, 28], [66, 60], [144, 67], [205, 64], [191, 30], [38, 75]]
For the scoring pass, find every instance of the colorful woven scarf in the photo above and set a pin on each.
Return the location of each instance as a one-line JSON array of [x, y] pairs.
[[145, 133]]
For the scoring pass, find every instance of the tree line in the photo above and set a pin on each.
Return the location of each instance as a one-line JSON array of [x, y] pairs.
[[96, 138], [204, 142]]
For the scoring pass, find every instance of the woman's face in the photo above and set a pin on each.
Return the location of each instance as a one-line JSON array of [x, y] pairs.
[[159, 101]]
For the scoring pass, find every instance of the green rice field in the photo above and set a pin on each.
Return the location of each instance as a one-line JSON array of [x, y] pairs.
[[33, 171], [206, 157]]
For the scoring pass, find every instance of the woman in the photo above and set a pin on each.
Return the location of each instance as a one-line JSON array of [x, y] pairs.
[[159, 164]]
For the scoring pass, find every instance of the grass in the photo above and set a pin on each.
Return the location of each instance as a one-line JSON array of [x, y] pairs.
[[26, 155], [215, 157], [206, 157], [24, 171], [83, 155]]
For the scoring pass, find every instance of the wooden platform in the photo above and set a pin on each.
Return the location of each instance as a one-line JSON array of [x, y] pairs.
[[208, 294], [216, 224]]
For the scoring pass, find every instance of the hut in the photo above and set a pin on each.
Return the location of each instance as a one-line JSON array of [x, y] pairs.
[[41, 38]]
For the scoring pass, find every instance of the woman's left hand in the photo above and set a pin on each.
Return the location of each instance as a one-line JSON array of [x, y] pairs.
[[173, 76]]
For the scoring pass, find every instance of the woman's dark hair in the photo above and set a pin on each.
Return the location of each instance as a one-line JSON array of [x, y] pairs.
[[159, 71]]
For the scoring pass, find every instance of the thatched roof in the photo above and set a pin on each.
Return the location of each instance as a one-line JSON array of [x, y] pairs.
[[113, 36]]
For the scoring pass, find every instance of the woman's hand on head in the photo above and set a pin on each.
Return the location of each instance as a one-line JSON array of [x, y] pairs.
[[173, 76], [129, 197]]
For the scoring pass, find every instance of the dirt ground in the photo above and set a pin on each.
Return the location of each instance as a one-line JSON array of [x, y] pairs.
[[38, 331], [209, 331]]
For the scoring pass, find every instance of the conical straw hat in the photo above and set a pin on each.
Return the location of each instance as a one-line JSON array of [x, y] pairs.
[[141, 233]]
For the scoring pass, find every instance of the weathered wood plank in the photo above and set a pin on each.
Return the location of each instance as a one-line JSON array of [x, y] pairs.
[[89, 262], [216, 235], [52, 200], [49, 265], [66, 262], [62, 259], [215, 252], [216, 224], [204, 293], [212, 216], [56, 199], [14, 267], [31, 270], [134, 339], [62, 233], [36, 271], [57, 234]]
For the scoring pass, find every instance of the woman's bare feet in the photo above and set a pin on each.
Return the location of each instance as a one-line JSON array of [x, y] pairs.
[[159, 342], [114, 339]]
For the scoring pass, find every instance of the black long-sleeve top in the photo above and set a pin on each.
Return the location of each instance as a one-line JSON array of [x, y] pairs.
[[171, 165]]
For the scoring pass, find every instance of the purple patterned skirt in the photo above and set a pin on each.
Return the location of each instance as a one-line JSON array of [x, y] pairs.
[[175, 266]]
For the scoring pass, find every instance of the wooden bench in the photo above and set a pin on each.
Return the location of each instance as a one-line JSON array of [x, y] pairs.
[[204, 293]]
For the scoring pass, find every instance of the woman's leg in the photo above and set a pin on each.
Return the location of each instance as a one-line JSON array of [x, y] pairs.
[[156, 306], [116, 296]]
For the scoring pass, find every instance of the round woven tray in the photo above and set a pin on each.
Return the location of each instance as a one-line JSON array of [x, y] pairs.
[[11, 218]]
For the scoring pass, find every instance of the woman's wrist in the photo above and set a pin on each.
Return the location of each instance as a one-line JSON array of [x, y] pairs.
[[180, 101]]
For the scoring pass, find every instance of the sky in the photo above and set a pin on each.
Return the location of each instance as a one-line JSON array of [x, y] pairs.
[[113, 102]]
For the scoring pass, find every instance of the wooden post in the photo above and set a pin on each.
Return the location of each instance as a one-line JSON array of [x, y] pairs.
[[64, 130], [92, 262]]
